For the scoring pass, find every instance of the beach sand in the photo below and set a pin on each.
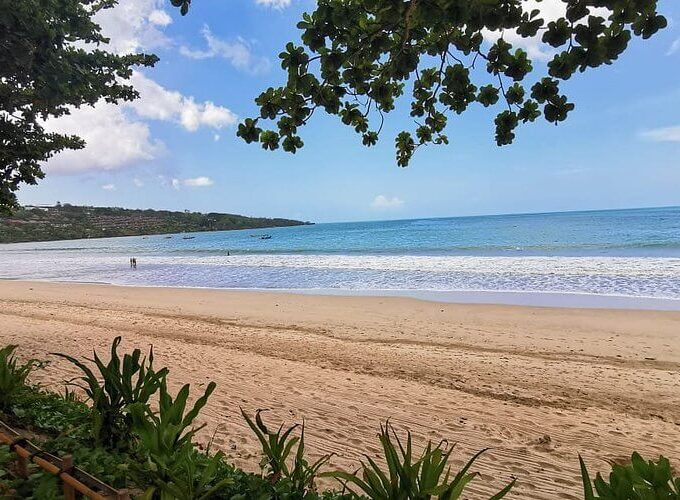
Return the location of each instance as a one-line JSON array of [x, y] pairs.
[[537, 385]]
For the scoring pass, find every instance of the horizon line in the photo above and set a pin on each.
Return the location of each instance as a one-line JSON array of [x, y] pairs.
[[308, 221]]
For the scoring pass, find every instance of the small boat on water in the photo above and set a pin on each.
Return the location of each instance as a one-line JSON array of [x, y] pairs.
[[188, 237], [266, 237], [168, 237]]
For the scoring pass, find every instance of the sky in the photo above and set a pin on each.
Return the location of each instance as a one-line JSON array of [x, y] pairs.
[[175, 147]]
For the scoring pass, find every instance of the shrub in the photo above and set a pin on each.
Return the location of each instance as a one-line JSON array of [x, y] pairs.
[[119, 385], [406, 477], [191, 475], [51, 413], [277, 447], [639, 480], [109, 466], [13, 375]]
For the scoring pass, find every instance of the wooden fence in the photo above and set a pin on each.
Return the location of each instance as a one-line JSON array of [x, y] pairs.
[[74, 480]]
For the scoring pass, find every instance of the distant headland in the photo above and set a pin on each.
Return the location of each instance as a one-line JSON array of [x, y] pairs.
[[69, 222]]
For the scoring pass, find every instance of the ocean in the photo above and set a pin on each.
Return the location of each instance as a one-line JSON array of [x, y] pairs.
[[617, 258]]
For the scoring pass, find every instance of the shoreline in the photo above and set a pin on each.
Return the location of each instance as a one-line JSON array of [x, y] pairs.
[[537, 384], [547, 299]]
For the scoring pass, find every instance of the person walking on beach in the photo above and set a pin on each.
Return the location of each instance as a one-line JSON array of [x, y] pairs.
[[134, 262], [130, 262]]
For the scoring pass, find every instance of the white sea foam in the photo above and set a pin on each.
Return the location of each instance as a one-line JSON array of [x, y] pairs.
[[621, 276], [628, 266]]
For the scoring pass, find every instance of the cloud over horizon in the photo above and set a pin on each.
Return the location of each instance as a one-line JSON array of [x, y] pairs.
[[382, 202]]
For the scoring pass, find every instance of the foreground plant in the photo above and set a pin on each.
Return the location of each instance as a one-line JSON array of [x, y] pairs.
[[177, 469], [119, 384], [13, 375], [277, 447], [164, 433], [409, 477], [639, 480]]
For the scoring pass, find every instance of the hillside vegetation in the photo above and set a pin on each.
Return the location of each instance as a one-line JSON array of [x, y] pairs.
[[67, 222]]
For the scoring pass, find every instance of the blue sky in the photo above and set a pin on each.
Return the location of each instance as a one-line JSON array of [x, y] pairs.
[[176, 147]]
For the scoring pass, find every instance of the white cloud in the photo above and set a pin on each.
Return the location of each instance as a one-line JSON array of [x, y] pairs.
[[114, 140], [118, 136], [159, 103], [216, 137], [138, 182], [198, 182], [276, 4], [382, 202], [160, 18], [238, 53], [675, 47], [663, 134], [134, 25], [192, 182], [109, 187]]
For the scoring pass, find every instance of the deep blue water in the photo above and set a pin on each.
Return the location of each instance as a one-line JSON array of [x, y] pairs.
[[633, 253]]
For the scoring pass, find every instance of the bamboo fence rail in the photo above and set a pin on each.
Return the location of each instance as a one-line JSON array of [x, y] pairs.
[[74, 479]]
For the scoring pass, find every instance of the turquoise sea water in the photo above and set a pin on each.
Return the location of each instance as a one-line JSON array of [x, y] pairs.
[[629, 253]]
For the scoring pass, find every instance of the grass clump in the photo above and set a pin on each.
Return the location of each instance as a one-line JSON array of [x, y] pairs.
[[408, 476], [298, 477]]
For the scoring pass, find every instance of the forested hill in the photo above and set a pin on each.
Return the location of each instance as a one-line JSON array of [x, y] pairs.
[[66, 222]]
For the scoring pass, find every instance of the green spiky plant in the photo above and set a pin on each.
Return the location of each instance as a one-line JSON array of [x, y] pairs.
[[164, 433], [118, 384], [409, 476], [277, 448], [640, 480], [13, 375], [177, 469]]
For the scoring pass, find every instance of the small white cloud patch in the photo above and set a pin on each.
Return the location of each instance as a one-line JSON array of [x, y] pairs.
[[198, 182], [276, 4], [109, 187], [663, 134], [382, 202], [238, 53], [137, 182], [159, 18]]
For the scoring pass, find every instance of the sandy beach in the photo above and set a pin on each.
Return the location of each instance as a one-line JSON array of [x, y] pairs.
[[537, 385]]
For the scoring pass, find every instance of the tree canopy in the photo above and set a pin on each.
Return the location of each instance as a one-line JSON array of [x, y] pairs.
[[357, 55], [50, 62]]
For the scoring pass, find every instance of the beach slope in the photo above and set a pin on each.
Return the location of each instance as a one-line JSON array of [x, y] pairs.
[[537, 385]]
